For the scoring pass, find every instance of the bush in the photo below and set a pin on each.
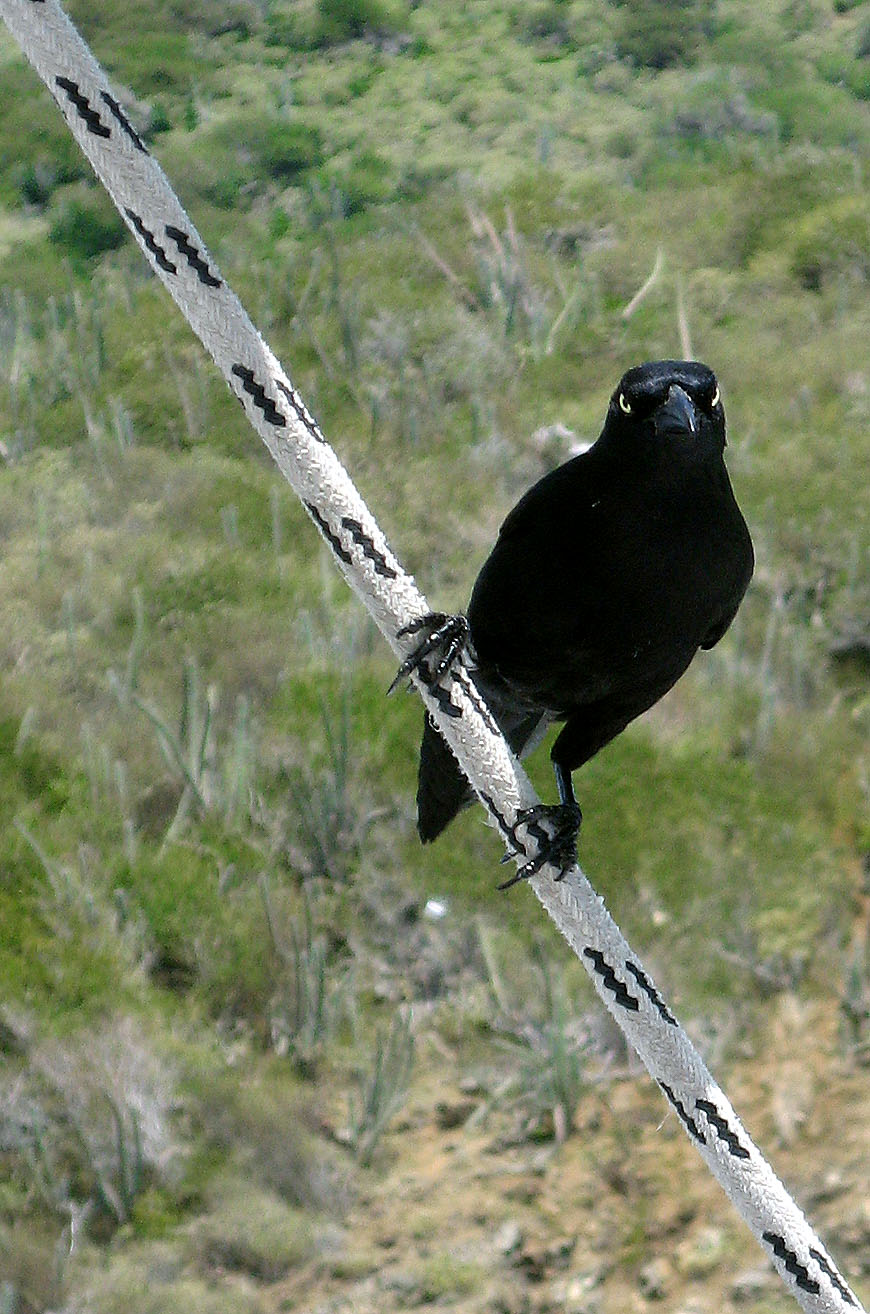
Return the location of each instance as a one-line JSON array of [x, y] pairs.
[[343, 20], [382, 1089], [89, 1121], [37, 179], [657, 33], [288, 149], [251, 1231], [233, 159], [853, 74], [834, 239], [86, 226], [547, 21], [366, 180]]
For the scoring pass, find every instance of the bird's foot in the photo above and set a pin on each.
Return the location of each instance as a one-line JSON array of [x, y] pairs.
[[442, 639], [556, 839]]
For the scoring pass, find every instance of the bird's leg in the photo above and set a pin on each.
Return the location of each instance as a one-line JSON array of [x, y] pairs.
[[443, 638], [557, 842]]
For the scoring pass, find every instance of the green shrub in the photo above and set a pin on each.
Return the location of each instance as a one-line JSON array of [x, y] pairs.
[[51, 152], [38, 177], [160, 120], [343, 20], [176, 894], [365, 180], [132, 1280], [265, 1126], [252, 1231], [28, 772], [381, 1091], [445, 1277], [547, 21], [834, 239], [658, 33], [86, 226], [160, 63], [774, 201], [288, 149], [234, 158], [841, 70], [290, 29]]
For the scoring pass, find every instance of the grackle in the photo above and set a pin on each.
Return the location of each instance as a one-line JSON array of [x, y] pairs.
[[607, 577]]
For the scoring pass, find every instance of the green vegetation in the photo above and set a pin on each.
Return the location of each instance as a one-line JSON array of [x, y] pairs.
[[245, 1064]]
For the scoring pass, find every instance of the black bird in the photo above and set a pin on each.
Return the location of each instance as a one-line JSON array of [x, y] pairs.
[[607, 577]]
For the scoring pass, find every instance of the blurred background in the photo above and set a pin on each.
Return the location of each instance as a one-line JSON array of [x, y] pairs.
[[260, 1050]]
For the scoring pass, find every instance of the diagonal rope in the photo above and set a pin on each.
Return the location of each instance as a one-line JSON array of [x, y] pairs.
[[178, 256]]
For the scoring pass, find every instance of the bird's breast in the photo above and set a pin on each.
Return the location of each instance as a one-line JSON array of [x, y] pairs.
[[622, 586]]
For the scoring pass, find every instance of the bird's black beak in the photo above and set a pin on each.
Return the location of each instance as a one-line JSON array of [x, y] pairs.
[[678, 414]]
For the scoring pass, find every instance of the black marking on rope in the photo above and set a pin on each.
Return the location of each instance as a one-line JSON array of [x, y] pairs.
[[611, 981], [300, 410], [329, 534], [193, 258], [683, 1114], [833, 1276], [124, 123], [442, 698], [651, 993], [798, 1271], [259, 396], [500, 818], [86, 113], [723, 1131], [359, 536], [480, 705], [151, 243]]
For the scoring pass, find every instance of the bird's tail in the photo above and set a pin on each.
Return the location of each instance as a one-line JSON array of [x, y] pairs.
[[442, 789]]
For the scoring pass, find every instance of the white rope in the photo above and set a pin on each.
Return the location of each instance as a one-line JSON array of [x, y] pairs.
[[141, 192]]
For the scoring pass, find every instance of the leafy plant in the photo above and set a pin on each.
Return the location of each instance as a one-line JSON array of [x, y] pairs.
[[547, 21], [833, 239], [549, 1052], [659, 33], [323, 808], [855, 1004], [89, 1119], [382, 1089], [310, 995], [214, 773], [342, 20], [288, 149], [87, 227]]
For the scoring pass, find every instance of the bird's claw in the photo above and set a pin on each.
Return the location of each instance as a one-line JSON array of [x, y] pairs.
[[443, 635], [557, 843]]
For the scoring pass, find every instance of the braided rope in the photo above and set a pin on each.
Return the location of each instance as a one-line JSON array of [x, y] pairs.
[[178, 256]]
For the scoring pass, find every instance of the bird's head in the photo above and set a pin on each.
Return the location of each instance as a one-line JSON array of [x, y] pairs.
[[670, 403]]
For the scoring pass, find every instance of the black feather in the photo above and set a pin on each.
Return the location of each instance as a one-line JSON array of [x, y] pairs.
[[607, 577]]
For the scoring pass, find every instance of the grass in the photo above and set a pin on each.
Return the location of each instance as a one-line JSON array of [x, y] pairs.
[[382, 1087], [253, 1231], [438, 214]]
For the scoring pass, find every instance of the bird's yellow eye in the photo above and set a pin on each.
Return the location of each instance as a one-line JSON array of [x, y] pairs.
[[715, 399], [624, 405]]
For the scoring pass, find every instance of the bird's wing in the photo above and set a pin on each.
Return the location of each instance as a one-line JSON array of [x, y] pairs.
[[715, 632], [741, 584], [569, 489], [540, 612]]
